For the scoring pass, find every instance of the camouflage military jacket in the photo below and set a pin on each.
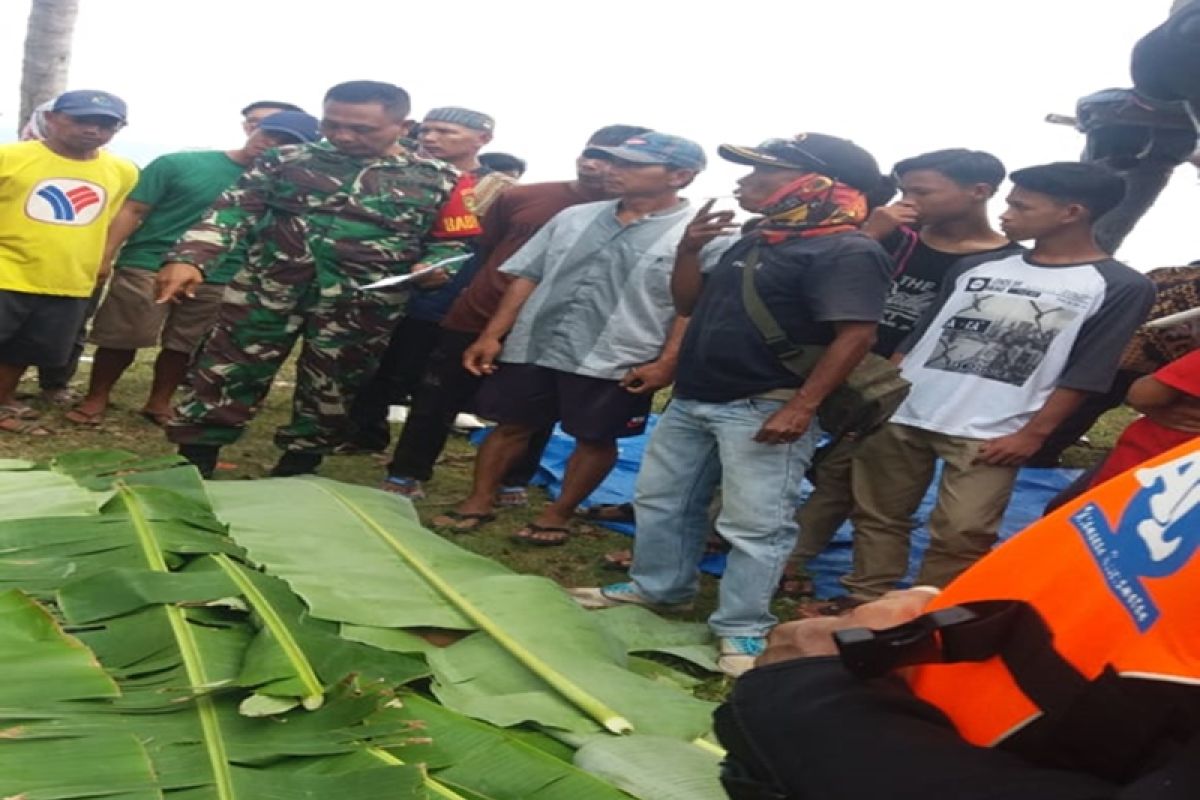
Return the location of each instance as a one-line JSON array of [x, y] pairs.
[[349, 220]]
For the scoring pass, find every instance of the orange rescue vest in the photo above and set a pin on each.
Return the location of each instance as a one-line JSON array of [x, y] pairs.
[[1115, 578]]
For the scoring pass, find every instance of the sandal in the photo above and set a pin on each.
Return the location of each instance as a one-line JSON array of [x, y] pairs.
[[85, 419], [159, 418], [622, 560], [542, 535], [403, 487], [617, 560], [60, 397], [11, 421], [609, 512], [461, 521], [18, 411], [512, 497], [794, 586]]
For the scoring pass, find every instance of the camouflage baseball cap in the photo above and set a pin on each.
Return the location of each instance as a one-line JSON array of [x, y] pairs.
[[654, 148]]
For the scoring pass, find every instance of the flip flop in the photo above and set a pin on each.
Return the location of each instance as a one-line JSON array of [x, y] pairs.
[[554, 535], [622, 560], [24, 427], [609, 512], [18, 411], [617, 560], [794, 586], [403, 487], [159, 418], [512, 497], [84, 419], [453, 521]]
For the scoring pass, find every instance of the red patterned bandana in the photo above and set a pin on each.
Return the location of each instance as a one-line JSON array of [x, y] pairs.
[[812, 205]]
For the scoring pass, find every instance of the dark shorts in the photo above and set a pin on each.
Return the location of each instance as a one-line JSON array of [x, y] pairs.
[[39, 329], [592, 409]]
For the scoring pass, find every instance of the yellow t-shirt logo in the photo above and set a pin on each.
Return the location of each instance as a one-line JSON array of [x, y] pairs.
[[65, 201]]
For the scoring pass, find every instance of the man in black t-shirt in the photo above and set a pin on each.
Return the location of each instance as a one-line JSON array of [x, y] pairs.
[[740, 417], [940, 218]]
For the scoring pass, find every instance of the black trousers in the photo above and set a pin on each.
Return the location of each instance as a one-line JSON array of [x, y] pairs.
[[400, 372], [809, 730], [446, 390]]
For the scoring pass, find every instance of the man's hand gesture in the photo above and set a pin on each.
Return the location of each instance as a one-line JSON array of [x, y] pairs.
[[886, 220], [176, 281], [706, 226]]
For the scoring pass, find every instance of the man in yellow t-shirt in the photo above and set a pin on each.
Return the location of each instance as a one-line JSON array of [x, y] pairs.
[[57, 197]]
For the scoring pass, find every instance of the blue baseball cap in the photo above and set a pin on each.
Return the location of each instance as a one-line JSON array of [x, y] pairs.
[[296, 124], [654, 148], [90, 103]]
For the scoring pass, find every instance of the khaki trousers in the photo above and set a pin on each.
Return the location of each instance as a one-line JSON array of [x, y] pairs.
[[892, 471], [828, 506]]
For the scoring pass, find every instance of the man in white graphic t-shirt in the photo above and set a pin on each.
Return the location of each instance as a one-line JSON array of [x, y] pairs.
[[1010, 348]]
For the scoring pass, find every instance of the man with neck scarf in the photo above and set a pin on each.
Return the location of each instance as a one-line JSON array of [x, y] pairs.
[[740, 418]]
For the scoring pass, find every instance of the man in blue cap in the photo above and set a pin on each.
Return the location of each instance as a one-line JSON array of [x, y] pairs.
[[588, 328], [171, 195], [57, 197]]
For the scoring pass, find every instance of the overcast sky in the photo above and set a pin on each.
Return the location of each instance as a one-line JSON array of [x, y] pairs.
[[897, 77]]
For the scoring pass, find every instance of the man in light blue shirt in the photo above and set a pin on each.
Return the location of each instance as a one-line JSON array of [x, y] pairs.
[[587, 332]]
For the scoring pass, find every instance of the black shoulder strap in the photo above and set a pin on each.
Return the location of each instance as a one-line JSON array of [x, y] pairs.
[[797, 360]]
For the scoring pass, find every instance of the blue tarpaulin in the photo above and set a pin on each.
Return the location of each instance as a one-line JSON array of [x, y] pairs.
[[1035, 487]]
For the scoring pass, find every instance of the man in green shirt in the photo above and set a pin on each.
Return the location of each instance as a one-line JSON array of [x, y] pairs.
[[172, 193]]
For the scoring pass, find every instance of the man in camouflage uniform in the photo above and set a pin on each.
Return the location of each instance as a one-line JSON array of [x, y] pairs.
[[321, 220]]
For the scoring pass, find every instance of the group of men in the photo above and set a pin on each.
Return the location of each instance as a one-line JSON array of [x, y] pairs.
[[406, 267]]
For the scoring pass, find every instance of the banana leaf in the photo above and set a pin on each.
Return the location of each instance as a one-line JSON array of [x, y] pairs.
[[105, 569], [643, 631], [37, 659], [480, 760], [16, 465], [205, 749], [40, 663], [654, 767], [68, 732], [110, 767], [32, 493], [479, 678], [302, 530], [187, 629], [98, 469], [537, 649]]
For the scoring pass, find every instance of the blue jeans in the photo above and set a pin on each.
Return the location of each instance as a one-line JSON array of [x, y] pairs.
[[695, 447]]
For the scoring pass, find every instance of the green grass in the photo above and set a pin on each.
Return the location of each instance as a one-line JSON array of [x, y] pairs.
[[575, 564]]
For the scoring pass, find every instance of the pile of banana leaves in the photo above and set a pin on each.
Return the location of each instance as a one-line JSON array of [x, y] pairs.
[[166, 637]]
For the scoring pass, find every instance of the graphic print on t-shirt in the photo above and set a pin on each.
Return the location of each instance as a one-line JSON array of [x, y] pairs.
[[908, 299], [1005, 330], [65, 201]]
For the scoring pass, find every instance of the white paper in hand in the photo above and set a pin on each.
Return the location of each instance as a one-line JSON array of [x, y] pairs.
[[399, 280]]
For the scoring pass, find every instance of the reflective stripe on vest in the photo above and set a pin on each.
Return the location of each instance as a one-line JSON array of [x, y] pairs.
[[1115, 577]]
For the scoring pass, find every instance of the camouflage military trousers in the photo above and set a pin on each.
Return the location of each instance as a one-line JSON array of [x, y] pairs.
[[262, 316]]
